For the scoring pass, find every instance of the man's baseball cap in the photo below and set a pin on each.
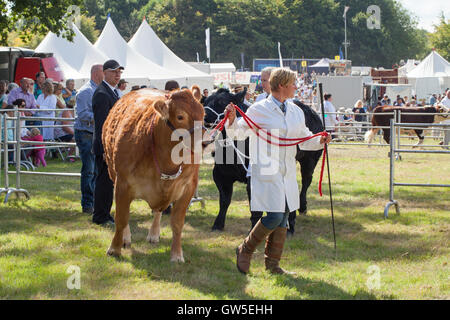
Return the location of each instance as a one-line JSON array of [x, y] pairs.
[[112, 65], [122, 81]]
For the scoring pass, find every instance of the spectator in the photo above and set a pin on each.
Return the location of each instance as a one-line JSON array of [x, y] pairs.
[[69, 93], [385, 101], [330, 114], [23, 93], [47, 101], [399, 102], [265, 76], [204, 96], [103, 100], [359, 115], [446, 102], [58, 88], [36, 154], [121, 87], [433, 99], [11, 86], [3, 96], [40, 78], [20, 104], [84, 129], [171, 85], [10, 130], [31, 86], [65, 133]]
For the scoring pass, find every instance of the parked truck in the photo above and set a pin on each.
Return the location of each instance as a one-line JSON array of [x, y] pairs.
[[17, 63]]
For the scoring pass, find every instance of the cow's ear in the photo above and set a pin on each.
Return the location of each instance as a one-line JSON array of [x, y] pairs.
[[162, 108], [196, 92]]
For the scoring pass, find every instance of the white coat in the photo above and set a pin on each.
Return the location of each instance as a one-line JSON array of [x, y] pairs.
[[273, 168]]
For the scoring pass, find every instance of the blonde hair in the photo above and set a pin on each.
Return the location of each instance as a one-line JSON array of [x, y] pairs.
[[35, 131], [281, 76], [358, 103], [47, 87]]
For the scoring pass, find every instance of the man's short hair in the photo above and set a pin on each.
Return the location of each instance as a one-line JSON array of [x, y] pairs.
[[281, 76], [171, 85], [327, 96], [267, 70]]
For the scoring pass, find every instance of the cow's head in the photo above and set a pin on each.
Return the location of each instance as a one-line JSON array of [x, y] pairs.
[[184, 114], [443, 113], [216, 103]]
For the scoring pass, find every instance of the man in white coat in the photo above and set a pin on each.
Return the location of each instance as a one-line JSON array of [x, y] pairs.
[[446, 103], [265, 76], [274, 187]]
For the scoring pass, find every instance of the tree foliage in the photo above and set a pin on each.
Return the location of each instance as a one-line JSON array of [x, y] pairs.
[[36, 17], [305, 28], [440, 39]]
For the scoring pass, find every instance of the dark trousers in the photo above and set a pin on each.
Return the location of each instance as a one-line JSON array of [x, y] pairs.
[[103, 192]]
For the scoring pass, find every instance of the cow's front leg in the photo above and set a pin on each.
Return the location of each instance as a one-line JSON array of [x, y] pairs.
[[177, 223], [154, 232]]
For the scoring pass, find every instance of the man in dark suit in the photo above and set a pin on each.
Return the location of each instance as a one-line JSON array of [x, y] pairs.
[[105, 96]]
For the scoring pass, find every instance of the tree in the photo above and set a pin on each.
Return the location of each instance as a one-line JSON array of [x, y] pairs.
[[37, 17], [440, 39], [88, 28]]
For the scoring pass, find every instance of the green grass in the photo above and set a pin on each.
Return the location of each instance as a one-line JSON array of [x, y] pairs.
[[42, 237]]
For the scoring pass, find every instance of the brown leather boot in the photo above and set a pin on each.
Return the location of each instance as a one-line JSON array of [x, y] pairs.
[[274, 250], [245, 250]]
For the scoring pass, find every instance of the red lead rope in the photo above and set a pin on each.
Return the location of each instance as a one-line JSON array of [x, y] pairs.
[[256, 129]]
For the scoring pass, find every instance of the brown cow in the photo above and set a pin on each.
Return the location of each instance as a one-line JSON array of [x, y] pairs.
[[408, 115], [138, 147]]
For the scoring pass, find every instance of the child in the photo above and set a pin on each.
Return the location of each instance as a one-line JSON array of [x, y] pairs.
[[37, 154]]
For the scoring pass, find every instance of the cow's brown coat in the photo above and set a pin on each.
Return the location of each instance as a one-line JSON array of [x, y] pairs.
[[128, 153]]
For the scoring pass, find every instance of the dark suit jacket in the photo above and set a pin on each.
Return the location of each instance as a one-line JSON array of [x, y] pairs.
[[102, 102]]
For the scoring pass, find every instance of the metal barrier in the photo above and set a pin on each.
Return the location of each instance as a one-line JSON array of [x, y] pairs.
[[18, 142], [394, 150]]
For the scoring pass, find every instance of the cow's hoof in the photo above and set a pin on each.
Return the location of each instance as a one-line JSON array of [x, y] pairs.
[[113, 253], [177, 259], [127, 244], [153, 239]]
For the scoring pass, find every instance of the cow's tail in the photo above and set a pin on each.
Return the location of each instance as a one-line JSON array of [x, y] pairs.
[[370, 134]]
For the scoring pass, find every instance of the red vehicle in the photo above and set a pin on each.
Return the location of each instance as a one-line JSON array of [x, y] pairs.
[[17, 63]]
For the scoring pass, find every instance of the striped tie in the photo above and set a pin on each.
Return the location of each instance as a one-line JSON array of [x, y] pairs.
[[283, 108]]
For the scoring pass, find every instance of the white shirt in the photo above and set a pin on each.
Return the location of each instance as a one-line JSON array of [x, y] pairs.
[[261, 96], [446, 102], [273, 168], [47, 103], [330, 119]]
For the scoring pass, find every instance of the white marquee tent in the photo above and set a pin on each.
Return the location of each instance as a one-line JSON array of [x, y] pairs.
[[147, 43], [138, 69], [75, 58], [432, 75]]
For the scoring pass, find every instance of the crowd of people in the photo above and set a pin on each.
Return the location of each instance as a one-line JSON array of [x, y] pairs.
[[40, 98]]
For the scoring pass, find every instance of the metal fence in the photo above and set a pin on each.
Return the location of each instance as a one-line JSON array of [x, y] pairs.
[[395, 150], [13, 123]]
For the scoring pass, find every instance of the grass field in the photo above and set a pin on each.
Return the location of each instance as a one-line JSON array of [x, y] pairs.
[[403, 257]]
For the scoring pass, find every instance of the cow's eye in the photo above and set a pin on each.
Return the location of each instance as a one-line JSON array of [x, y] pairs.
[[180, 118]]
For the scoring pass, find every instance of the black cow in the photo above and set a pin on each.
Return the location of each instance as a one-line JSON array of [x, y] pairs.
[[225, 174]]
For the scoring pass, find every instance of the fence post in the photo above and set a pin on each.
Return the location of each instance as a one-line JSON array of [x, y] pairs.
[[391, 172]]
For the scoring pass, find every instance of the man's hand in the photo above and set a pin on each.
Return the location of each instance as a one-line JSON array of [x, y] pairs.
[[325, 139], [232, 113]]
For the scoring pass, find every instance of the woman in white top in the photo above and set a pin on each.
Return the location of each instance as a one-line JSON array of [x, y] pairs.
[[47, 100], [331, 118], [274, 187]]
